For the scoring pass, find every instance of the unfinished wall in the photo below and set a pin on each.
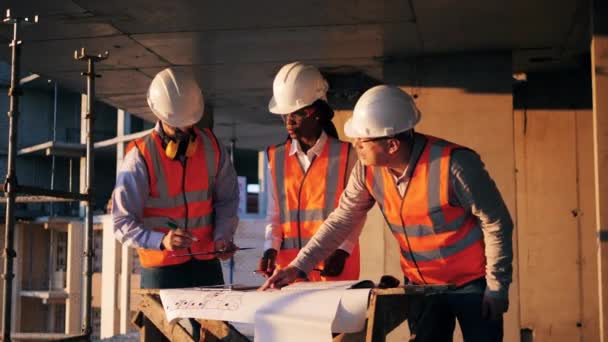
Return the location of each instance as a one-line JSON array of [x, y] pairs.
[[556, 213]]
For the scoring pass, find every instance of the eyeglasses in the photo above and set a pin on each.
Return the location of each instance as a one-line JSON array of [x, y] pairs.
[[404, 136], [364, 140], [299, 114]]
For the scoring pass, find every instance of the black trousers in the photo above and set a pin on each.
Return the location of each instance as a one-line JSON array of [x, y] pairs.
[[433, 318], [189, 274]]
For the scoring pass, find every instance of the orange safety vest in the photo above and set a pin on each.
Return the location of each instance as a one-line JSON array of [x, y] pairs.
[[305, 199], [179, 192], [445, 242]]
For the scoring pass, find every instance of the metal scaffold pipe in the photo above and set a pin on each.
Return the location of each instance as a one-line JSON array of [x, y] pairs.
[[10, 184], [88, 233]]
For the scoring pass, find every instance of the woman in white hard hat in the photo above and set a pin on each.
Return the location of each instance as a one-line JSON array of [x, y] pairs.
[[306, 174], [176, 193], [443, 208]]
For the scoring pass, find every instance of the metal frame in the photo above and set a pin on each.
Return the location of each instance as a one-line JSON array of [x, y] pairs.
[[12, 189], [10, 185], [90, 155]]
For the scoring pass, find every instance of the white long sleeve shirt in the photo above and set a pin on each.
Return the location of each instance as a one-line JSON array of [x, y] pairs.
[[274, 233]]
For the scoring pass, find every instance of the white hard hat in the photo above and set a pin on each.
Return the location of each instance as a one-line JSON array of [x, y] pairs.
[[296, 86], [382, 111], [175, 98]]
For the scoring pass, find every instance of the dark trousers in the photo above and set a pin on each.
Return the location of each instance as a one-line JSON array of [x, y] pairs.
[[189, 274], [433, 318]]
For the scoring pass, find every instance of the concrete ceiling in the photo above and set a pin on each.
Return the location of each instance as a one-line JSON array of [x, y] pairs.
[[235, 47]]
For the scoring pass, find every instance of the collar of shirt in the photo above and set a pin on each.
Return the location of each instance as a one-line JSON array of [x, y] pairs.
[[314, 151], [419, 143], [157, 127], [402, 177]]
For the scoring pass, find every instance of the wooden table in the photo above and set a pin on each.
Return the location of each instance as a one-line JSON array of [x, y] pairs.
[[386, 310]]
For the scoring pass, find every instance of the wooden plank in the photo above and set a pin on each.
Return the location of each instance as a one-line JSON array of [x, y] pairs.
[[372, 320], [154, 312], [35, 199], [47, 337], [220, 331]]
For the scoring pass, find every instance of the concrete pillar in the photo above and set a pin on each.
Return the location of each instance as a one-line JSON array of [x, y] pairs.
[[109, 276], [123, 127], [599, 71], [73, 305], [116, 281], [126, 267]]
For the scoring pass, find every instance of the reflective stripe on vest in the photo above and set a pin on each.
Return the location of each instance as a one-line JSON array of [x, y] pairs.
[[166, 201], [305, 200], [331, 176], [473, 236], [180, 193], [437, 232]]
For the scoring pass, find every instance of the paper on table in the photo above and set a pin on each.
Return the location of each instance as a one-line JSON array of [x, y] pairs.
[[302, 315], [307, 311], [223, 305], [351, 313]]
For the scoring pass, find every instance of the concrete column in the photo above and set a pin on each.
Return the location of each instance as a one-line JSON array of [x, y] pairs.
[[126, 267], [73, 305], [123, 127], [599, 71], [109, 276], [117, 259]]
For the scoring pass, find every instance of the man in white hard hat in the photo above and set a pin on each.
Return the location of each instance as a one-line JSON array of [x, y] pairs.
[[443, 208], [176, 193], [306, 175]]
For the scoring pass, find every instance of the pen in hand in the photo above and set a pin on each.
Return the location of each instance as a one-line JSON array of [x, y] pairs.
[[173, 226]]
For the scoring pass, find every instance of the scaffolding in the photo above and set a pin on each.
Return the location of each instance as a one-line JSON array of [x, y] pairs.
[[14, 192]]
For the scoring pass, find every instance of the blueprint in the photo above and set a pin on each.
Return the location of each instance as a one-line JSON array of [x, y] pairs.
[[305, 311]]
